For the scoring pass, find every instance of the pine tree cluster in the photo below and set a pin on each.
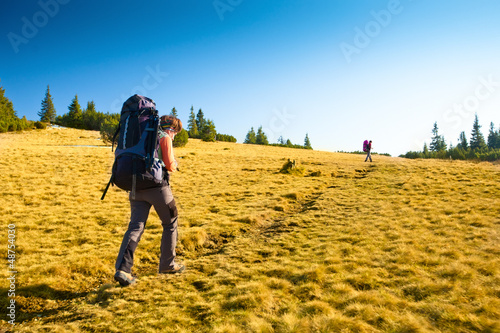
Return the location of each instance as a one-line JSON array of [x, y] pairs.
[[260, 138], [8, 116], [87, 119], [477, 148], [201, 128]]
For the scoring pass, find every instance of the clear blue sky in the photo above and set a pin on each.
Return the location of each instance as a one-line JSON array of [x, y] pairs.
[[341, 71]]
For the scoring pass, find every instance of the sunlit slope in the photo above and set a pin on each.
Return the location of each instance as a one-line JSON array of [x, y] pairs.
[[390, 246]]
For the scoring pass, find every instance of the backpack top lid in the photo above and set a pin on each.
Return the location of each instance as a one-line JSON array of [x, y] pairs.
[[138, 102]]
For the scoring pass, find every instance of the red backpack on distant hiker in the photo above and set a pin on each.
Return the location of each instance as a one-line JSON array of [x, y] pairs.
[[365, 146]]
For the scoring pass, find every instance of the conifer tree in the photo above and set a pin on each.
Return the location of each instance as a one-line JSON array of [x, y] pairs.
[[477, 138], [463, 141], [281, 141], [192, 125], [174, 113], [493, 138], [91, 119], [8, 116], [437, 143], [426, 149], [209, 133], [75, 114], [200, 121], [307, 142], [261, 138], [7, 111], [48, 112], [251, 137]]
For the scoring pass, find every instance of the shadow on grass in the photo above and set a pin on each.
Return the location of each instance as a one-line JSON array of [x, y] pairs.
[[41, 301]]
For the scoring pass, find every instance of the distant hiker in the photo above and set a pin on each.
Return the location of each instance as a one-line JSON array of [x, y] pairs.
[[160, 197], [367, 147]]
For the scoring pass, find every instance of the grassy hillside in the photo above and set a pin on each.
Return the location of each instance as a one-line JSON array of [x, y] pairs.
[[393, 246]]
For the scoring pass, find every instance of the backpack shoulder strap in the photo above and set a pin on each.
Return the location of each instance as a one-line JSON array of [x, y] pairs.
[[161, 135], [114, 136]]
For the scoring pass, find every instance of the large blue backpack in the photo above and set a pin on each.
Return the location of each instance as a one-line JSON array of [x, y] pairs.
[[137, 166]]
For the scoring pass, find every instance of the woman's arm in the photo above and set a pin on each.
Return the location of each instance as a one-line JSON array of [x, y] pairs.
[[167, 152]]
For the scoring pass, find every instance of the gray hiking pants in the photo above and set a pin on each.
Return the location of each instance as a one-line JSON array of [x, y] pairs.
[[368, 156], [162, 200]]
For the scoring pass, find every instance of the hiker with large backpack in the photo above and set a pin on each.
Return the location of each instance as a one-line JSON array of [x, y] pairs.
[[143, 158], [367, 148]]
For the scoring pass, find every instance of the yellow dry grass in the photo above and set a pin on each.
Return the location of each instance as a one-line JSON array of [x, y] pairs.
[[393, 246]]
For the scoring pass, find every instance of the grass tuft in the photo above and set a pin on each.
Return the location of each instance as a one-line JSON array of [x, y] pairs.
[[194, 238]]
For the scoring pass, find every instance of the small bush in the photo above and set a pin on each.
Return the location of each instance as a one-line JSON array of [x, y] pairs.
[[291, 168], [181, 139], [225, 137], [108, 129], [40, 125]]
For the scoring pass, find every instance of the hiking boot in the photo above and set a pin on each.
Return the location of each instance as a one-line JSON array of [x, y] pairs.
[[175, 270], [124, 278]]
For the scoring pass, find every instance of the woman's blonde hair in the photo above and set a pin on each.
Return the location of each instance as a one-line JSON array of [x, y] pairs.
[[171, 122]]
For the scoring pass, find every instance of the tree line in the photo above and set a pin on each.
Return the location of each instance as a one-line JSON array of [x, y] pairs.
[[77, 117], [201, 128], [9, 121], [90, 119], [477, 148], [260, 138]]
